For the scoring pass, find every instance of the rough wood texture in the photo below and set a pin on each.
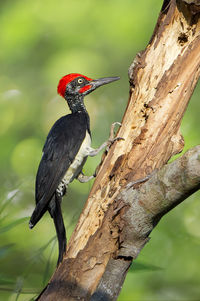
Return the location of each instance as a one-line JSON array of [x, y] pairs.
[[162, 79], [165, 189]]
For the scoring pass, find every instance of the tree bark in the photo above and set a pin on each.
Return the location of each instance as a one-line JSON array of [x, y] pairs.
[[117, 219]]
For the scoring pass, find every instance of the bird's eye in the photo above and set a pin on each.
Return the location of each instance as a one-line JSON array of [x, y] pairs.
[[80, 80]]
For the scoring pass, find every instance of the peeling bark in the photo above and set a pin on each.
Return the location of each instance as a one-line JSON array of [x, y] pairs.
[[116, 221]]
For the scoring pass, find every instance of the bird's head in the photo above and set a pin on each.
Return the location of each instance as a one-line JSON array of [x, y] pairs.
[[75, 86], [78, 84]]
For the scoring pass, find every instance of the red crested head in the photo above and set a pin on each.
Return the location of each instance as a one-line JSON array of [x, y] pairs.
[[65, 80]]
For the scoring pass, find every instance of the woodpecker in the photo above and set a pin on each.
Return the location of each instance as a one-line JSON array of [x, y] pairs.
[[65, 151]]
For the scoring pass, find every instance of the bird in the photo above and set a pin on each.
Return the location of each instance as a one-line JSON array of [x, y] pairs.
[[65, 151]]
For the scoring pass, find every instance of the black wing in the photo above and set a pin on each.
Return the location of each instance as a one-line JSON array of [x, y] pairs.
[[63, 143]]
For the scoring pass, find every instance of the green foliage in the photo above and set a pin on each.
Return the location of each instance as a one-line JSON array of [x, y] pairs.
[[141, 266], [40, 42]]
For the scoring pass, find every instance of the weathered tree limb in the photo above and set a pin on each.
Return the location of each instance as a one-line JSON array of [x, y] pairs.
[[142, 210], [162, 80]]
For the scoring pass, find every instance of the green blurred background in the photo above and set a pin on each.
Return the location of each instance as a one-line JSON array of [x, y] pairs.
[[40, 41]]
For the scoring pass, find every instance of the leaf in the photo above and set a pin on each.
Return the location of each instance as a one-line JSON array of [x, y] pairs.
[[13, 224], [5, 249], [11, 194], [38, 256], [47, 244], [47, 268], [8, 199], [4, 280], [18, 287], [145, 267], [24, 291]]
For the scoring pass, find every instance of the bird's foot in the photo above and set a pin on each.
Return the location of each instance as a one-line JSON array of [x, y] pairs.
[[112, 137], [84, 179], [93, 152]]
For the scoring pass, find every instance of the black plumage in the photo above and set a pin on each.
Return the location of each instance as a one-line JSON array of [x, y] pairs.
[[60, 150], [62, 144]]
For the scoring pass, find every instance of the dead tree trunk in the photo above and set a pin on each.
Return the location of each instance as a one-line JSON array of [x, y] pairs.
[[118, 217]]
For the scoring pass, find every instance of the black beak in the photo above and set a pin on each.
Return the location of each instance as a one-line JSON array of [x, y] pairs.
[[100, 82]]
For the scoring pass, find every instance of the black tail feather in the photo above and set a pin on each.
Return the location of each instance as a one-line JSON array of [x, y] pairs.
[[56, 213], [39, 211]]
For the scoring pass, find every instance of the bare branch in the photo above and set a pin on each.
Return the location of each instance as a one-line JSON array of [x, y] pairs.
[[166, 188], [145, 206]]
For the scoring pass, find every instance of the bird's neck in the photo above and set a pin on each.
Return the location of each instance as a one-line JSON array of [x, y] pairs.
[[76, 104]]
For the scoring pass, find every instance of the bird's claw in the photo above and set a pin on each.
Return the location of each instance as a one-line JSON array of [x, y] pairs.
[[112, 137], [112, 129], [111, 141]]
